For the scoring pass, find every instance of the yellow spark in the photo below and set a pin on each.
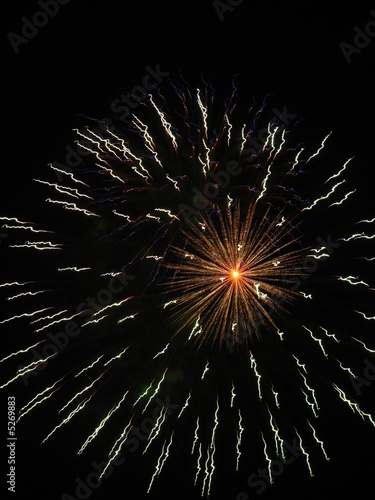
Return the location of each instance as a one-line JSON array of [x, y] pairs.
[[232, 272]]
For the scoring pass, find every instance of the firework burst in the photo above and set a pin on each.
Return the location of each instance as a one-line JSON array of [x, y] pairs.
[[195, 251]]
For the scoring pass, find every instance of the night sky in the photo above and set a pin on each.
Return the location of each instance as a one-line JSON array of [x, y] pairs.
[[78, 65]]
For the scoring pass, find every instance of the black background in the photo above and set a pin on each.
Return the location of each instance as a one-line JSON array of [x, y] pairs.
[[91, 51]]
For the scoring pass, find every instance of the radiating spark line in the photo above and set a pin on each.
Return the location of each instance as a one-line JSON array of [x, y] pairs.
[[340, 171], [318, 441], [195, 436], [39, 245], [24, 315], [80, 407], [143, 394], [331, 335], [118, 356], [89, 366], [257, 374], [72, 206], [233, 395], [323, 197], [351, 280], [279, 443], [56, 322], [119, 442], [276, 397], [65, 190], [319, 341], [239, 439], [167, 126], [156, 429], [29, 368], [29, 228], [88, 387], [354, 406], [346, 369], [267, 459], [364, 345], [76, 269], [131, 316], [367, 221], [368, 318], [305, 453], [34, 402], [159, 465], [92, 436], [319, 150], [156, 390], [206, 368], [68, 174], [161, 352], [185, 405], [358, 236], [25, 294], [21, 351], [93, 321], [15, 283], [343, 199], [199, 468]]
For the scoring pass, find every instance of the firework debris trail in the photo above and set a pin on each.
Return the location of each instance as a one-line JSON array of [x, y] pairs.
[[217, 226]]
